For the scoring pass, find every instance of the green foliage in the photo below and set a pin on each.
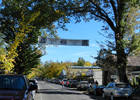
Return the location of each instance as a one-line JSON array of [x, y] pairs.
[[11, 53], [2, 51], [81, 61], [28, 50], [134, 80], [105, 58], [132, 83]]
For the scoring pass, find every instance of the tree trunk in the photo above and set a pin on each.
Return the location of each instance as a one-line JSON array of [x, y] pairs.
[[122, 75], [121, 57]]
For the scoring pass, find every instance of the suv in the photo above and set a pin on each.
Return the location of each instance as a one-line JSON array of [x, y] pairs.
[[15, 87], [73, 83], [82, 85], [114, 90]]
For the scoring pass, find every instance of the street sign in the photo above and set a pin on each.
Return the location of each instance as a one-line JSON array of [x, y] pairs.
[[54, 41]]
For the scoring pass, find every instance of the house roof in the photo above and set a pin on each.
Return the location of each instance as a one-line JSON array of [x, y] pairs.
[[82, 67], [135, 72], [133, 61]]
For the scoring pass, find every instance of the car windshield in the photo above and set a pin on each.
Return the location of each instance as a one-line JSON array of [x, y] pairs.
[[12, 82], [123, 86], [84, 82], [74, 81], [101, 86]]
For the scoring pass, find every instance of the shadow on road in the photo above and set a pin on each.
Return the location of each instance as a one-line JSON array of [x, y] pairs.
[[57, 91]]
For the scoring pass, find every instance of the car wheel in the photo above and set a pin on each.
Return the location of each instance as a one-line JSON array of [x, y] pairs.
[[95, 93], [103, 95], [112, 97], [32, 98], [87, 91]]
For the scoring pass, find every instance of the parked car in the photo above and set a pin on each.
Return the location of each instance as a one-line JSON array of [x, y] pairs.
[[15, 87], [114, 90], [65, 80], [135, 94], [34, 91], [97, 90], [34, 81], [57, 81], [48, 80], [82, 85], [73, 83], [60, 82]]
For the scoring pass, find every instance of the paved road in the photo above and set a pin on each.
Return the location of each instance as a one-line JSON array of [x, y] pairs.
[[51, 91]]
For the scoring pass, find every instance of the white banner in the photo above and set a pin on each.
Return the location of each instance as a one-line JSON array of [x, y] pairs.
[[54, 41]]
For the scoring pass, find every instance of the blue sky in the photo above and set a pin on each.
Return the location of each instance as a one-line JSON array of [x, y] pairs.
[[82, 30]]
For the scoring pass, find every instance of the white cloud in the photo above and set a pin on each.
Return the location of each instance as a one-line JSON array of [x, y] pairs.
[[83, 53], [51, 51], [94, 45]]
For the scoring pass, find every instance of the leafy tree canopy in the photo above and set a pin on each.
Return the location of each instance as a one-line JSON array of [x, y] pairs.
[[121, 22], [87, 63]]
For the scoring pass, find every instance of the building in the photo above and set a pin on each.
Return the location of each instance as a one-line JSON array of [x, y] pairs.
[[132, 69], [92, 73]]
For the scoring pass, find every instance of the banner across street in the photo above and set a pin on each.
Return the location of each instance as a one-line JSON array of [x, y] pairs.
[[55, 41]]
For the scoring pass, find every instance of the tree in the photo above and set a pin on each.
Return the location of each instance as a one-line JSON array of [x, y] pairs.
[[68, 65], [28, 49], [87, 63], [106, 58], [55, 69], [81, 61], [26, 60], [94, 64], [117, 16], [23, 28], [75, 64]]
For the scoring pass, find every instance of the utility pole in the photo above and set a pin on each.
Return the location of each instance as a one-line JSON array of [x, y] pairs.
[[92, 71]]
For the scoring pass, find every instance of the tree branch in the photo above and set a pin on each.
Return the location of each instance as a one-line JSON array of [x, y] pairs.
[[104, 14], [114, 9]]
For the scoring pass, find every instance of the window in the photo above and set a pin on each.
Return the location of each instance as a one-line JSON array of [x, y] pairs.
[[27, 82], [123, 86], [12, 82]]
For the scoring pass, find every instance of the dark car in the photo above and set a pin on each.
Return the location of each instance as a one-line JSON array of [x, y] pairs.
[[73, 83], [97, 90], [15, 87], [34, 83], [135, 94]]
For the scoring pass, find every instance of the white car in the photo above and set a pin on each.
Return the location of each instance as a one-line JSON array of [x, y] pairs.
[[114, 90], [82, 85]]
